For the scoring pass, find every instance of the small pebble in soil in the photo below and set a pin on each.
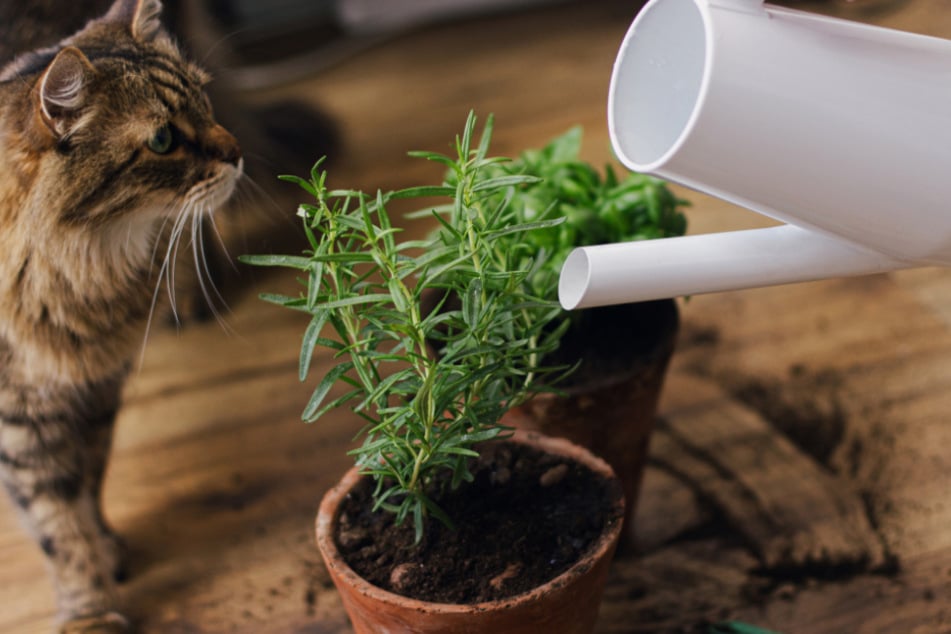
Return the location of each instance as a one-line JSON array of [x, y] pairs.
[[553, 476], [510, 572], [402, 575], [354, 537]]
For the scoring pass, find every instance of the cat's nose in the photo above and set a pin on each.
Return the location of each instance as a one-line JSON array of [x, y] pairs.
[[222, 146]]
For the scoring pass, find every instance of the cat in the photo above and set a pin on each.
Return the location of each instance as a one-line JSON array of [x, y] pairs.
[[107, 137], [280, 137]]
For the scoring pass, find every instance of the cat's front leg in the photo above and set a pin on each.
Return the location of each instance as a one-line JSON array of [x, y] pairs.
[[98, 443], [45, 466]]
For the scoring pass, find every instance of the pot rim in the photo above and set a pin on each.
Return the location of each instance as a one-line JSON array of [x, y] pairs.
[[329, 511]]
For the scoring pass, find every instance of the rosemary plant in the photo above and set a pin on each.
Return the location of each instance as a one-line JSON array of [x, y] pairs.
[[424, 412]]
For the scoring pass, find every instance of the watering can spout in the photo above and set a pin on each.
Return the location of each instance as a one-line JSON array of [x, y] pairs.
[[692, 265], [842, 131]]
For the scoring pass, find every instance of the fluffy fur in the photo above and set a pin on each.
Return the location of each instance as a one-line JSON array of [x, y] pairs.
[[106, 140]]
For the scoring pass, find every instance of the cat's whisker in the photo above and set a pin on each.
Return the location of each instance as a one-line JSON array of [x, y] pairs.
[[155, 294], [166, 271], [204, 254], [171, 258], [162, 274], [203, 271], [158, 237], [181, 223]]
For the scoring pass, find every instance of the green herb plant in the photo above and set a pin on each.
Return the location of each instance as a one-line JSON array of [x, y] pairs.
[[425, 413], [595, 209]]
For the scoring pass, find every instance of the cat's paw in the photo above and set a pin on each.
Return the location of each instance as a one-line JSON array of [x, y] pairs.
[[108, 623]]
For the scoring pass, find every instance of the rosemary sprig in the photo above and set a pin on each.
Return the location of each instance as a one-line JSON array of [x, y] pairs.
[[424, 412]]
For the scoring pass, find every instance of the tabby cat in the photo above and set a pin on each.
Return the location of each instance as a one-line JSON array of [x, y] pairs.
[[106, 139]]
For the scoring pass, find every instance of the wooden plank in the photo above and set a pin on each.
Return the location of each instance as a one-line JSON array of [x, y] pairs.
[[888, 355], [793, 515]]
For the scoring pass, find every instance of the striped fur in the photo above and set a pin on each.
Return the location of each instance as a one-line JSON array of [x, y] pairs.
[[107, 141]]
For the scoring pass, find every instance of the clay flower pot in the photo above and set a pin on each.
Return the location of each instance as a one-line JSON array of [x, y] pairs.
[[568, 604], [609, 405]]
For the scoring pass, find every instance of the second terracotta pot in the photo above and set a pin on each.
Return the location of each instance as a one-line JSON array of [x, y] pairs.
[[611, 406]]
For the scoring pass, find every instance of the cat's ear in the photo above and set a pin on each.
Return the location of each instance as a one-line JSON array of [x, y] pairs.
[[141, 17], [63, 89]]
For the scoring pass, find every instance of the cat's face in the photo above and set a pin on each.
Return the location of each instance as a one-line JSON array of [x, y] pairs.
[[118, 125]]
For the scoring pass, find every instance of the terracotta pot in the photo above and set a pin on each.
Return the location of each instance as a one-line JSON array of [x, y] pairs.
[[566, 605], [611, 413]]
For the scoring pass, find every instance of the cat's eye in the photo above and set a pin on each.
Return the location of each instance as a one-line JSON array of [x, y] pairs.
[[163, 141]]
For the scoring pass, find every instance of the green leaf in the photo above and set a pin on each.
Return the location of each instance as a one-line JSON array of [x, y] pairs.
[[526, 228], [311, 337], [436, 512], [472, 303], [332, 344], [434, 156], [303, 184], [298, 262], [460, 451], [317, 177], [506, 181], [566, 147], [466, 143], [486, 139], [323, 388], [313, 285], [425, 192], [373, 298], [296, 303]]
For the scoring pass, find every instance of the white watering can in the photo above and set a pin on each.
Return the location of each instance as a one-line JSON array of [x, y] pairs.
[[839, 129]]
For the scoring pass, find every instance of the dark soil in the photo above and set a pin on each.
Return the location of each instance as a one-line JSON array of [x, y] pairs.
[[526, 518], [806, 407]]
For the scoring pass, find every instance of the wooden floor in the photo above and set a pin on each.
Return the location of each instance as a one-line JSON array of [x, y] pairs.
[[800, 474]]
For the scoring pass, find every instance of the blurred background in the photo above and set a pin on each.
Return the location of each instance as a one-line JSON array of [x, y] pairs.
[[319, 33]]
